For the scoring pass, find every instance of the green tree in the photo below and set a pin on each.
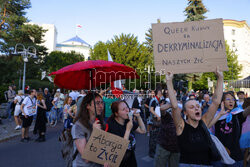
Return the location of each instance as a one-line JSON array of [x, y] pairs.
[[13, 30], [195, 10], [57, 59]]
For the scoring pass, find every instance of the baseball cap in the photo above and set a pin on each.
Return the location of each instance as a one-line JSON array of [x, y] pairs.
[[58, 90]]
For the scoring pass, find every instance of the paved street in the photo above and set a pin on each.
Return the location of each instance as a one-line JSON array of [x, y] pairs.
[[13, 153]]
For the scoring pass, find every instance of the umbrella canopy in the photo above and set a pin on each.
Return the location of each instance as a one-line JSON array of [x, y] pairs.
[[92, 73]]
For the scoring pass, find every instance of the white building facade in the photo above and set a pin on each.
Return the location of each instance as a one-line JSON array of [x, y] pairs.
[[75, 44], [237, 35], [50, 36]]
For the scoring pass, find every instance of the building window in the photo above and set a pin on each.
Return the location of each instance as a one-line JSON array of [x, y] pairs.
[[233, 43]]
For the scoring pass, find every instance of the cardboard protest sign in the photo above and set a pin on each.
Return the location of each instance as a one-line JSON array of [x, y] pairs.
[[187, 47], [105, 147]]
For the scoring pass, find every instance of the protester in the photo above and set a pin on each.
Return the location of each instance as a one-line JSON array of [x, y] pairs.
[[74, 94], [245, 135], [241, 97], [58, 103], [18, 101], [108, 100], [147, 112], [137, 103], [41, 118], [11, 95], [120, 124], [193, 137], [48, 99], [167, 151], [191, 96], [228, 127], [154, 106], [205, 103], [82, 93], [28, 109], [68, 119], [82, 129]]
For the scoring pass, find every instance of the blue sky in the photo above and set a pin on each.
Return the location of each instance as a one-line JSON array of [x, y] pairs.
[[102, 19]]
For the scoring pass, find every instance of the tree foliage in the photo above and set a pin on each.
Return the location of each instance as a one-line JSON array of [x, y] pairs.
[[15, 29], [195, 10], [57, 59]]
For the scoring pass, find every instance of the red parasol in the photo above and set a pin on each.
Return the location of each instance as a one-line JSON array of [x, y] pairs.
[[91, 74]]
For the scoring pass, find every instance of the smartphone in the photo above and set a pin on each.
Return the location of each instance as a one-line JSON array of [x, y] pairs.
[[130, 115]]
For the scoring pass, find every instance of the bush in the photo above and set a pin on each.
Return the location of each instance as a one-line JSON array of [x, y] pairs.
[[3, 88]]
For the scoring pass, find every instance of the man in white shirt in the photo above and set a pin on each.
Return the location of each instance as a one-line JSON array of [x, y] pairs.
[[28, 108], [74, 94]]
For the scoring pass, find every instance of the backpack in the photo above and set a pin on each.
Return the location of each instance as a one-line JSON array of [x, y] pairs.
[[6, 95], [20, 103], [67, 149]]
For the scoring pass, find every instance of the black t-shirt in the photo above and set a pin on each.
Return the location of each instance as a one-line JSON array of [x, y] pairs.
[[147, 102], [194, 147], [167, 136], [229, 134], [119, 130]]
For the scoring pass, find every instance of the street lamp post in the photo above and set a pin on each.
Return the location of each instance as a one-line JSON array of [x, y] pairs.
[[24, 53], [149, 76]]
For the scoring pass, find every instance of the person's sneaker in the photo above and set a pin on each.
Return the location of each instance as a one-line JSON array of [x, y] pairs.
[[22, 140], [18, 127]]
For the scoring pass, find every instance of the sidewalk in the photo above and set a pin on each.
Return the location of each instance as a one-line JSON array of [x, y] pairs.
[[7, 129]]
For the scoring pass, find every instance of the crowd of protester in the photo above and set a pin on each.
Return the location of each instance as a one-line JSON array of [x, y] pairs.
[[195, 129]]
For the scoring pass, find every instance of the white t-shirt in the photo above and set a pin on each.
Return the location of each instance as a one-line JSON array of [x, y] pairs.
[[74, 95], [59, 101], [29, 106], [19, 99]]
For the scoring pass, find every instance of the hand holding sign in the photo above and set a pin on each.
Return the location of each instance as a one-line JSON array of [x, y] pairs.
[[105, 148]]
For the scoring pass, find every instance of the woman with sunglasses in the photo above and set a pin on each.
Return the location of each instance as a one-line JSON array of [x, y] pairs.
[[121, 124], [228, 127]]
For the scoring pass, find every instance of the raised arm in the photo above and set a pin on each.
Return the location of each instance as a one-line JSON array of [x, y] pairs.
[[246, 111], [216, 99], [220, 114], [176, 111]]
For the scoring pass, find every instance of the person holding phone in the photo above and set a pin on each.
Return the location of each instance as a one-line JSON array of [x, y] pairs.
[[121, 124]]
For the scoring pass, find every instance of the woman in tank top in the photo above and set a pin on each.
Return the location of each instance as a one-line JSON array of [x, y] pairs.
[[193, 143]]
